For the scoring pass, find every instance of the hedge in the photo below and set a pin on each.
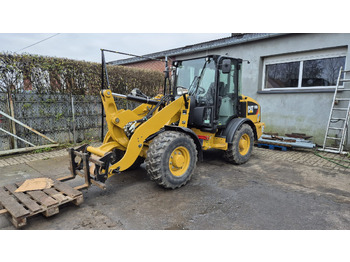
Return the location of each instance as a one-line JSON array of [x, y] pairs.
[[47, 75]]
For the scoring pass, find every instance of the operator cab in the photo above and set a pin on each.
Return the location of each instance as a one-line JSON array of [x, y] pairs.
[[213, 84]]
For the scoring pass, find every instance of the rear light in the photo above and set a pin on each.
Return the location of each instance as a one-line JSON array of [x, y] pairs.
[[204, 137]]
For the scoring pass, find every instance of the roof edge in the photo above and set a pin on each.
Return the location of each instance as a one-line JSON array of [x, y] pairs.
[[203, 46]]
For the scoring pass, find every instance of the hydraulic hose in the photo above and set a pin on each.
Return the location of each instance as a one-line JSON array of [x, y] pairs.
[[137, 99]]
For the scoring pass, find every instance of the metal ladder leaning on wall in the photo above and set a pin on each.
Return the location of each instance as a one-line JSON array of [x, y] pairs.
[[338, 123]]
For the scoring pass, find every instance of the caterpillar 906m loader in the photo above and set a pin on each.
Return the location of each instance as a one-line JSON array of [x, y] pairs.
[[201, 108]]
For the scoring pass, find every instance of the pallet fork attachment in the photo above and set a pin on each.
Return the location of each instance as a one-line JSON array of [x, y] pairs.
[[93, 170]]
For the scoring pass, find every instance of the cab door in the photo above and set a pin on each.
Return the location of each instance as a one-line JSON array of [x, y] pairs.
[[227, 90]]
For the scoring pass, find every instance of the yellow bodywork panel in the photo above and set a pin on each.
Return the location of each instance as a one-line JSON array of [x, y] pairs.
[[259, 129], [255, 117], [210, 140]]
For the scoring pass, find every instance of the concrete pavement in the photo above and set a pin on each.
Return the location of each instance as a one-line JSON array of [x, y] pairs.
[[274, 190]]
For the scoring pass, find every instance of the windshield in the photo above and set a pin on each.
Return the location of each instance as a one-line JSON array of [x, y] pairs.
[[196, 75]]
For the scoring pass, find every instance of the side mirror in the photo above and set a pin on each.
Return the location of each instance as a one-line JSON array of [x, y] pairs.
[[226, 66]]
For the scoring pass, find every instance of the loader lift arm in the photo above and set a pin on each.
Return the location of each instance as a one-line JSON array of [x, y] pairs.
[[97, 162], [173, 112]]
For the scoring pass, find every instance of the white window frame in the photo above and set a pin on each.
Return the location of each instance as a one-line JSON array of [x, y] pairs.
[[301, 57]]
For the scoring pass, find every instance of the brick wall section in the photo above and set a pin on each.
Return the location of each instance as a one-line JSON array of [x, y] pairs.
[[150, 65]]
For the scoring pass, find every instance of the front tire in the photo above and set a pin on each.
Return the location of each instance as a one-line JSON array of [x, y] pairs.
[[171, 159], [240, 150]]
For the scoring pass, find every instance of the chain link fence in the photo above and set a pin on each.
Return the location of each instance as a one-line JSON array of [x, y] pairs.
[[61, 117]]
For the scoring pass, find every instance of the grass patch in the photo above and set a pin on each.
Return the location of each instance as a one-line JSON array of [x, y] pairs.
[[41, 150]]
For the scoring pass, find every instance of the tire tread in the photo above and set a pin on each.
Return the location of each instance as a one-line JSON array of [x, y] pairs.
[[156, 150]]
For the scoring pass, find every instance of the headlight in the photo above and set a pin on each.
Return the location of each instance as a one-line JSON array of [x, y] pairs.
[[181, 90]]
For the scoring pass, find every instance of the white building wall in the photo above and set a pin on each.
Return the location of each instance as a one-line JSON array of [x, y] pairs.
[[287, 112]]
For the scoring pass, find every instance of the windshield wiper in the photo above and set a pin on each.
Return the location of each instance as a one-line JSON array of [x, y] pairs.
[[199, 78], [195, 80]]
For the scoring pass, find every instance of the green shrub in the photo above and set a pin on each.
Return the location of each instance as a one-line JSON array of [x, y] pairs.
[[46, 75]]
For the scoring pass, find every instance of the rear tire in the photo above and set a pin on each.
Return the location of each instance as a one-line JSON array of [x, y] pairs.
[[240, 150], [171, 159]]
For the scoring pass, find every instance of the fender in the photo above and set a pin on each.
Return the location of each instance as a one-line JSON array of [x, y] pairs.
[[234, 125], [191, 134]]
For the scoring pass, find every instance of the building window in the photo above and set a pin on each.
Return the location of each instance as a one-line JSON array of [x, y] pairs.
[[304, 71], [322, 72], [282, 75]]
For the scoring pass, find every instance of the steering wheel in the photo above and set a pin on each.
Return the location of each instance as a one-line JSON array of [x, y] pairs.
[[200, 99], [200, 91]]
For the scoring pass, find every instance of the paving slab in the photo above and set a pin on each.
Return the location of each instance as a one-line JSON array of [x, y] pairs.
[[18, 172]]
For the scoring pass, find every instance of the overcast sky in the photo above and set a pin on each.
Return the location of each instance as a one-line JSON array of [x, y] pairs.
[[87, 46], [125, 21]]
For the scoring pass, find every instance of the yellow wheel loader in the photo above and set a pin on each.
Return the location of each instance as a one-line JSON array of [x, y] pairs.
[[201, 108]]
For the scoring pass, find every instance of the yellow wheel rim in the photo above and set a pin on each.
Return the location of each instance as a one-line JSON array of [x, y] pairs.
[[179, 161], [244, 144]]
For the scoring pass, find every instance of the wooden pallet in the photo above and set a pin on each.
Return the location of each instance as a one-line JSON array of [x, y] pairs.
[[20, 206]]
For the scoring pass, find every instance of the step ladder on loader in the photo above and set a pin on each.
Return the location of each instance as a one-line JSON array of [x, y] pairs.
[[338, 120]]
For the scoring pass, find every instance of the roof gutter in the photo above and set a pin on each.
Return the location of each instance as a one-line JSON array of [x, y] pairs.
[[199, 47]]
